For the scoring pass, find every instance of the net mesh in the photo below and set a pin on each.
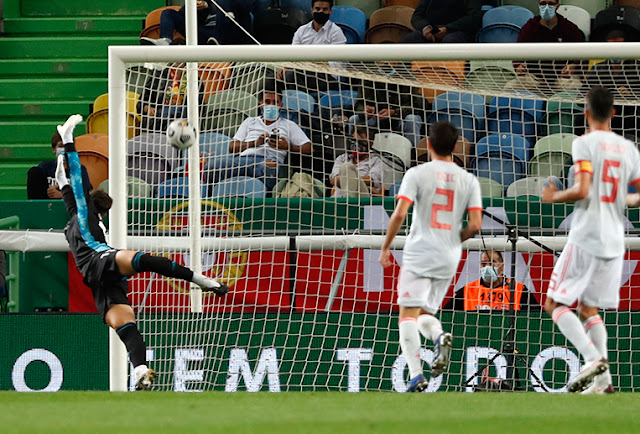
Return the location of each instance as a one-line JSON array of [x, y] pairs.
[[325, 318]]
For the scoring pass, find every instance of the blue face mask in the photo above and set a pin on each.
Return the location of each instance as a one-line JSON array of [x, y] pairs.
[[489, 274], [547, 12], [271, 112], [59, 151]]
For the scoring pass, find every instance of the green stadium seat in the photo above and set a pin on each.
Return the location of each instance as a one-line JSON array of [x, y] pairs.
[[532, 5], [563, 115], [531, 186], [226, 110], [489, 74], [550, 155], [136, 187], [490, 188]]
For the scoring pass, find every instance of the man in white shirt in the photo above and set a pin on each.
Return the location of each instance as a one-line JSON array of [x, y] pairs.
[[589, 269], [358, 173], [441, 193], [320, 31], [262, 143]]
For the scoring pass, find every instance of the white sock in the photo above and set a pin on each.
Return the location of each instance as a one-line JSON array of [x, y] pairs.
[[571, 327], [139, 371], [410, 344], [203, 281], [597, 332], [429, 326]]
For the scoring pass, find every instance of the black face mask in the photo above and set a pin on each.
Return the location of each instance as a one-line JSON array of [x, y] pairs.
[[321, 18]]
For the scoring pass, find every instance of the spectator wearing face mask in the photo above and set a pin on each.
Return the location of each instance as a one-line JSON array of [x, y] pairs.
[[491, 291], [320, 31], [548, 76], [41, 179], [357, 173], [261, 144]]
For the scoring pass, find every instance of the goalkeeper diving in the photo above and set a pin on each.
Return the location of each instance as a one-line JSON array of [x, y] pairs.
[[106, 269]]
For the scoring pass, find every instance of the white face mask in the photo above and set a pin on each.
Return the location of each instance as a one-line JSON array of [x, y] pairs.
[[489, 274]]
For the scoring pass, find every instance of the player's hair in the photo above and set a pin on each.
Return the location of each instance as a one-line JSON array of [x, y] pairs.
[[101, 201], [55, 139], [600, 103], [443, 138], [313, 2]]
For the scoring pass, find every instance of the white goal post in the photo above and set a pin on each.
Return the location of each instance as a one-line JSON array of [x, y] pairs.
[[204, 314]]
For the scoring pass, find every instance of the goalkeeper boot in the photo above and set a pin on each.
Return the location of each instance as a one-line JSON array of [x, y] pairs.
[[144, 381], [212, 285], [588, 372], [417, 384], [595, 390], [442, 354]]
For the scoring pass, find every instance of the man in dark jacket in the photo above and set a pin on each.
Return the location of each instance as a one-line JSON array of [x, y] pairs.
[[41, 179], [214, 27], [445, 21], [548, 76]]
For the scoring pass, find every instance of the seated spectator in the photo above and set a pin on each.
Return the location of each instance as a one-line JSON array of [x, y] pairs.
[[319, 31], [358, 173], [548, 76], [390, 106], [447, 21], [41, 179], [214, 27], [622, 78], [165, 98], [491, 291], [262, 144]]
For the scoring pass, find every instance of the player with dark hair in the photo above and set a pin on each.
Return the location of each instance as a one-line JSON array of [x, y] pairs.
[[440, 192], [105, 269], [589, 269]]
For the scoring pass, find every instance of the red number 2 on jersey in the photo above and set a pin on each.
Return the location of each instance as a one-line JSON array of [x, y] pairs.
[[610, 180], [440, 207]]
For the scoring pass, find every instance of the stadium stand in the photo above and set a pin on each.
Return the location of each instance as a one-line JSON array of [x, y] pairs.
[[352, 21], [53, 61], [503, 24], [366, 6], [389, 25]]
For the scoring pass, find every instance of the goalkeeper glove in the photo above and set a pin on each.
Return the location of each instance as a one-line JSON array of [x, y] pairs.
[[66, 130], [61, 176]]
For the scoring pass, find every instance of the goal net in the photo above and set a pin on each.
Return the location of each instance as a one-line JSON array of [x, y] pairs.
[[288, 193]]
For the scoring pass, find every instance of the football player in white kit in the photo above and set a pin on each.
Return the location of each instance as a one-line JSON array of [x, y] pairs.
[[441, 193], [590, 266]]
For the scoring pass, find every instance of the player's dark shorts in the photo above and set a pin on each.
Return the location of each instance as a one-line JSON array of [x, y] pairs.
[[107, 284]]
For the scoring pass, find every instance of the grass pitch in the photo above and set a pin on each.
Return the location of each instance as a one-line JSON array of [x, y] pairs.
[[318, 412]]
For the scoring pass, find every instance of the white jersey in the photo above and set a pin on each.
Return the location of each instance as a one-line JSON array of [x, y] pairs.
[[614, 161], [441, 193]]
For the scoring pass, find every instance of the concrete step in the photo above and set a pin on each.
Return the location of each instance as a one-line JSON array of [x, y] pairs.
[[39, 131], [51, 88], [63, 67], [49, 109], [65, 8], [64, 46], [69, 26]]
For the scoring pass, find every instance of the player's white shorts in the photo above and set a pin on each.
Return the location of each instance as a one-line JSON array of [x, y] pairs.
[[418, 291], [579, 275]]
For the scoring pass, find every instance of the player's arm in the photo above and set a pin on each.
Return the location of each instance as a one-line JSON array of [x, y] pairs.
[[577, 191], [633, 199], [474, 225], [65, 188], [395, 223]]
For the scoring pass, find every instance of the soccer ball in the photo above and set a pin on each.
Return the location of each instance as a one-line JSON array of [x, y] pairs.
[[181, 134]]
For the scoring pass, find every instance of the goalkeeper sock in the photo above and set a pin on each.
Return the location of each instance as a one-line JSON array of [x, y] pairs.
[[130, 335], [597, 332], [410, 345], [142, 262], [429, 326], [572, 329]]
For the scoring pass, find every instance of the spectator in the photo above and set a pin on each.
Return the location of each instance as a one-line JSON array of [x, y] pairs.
[[622, 78], [445, 21], [357, 173], [491, 291], [391, 106], [165, 98], [262, 144], [4, 294], [319, 31], [548, 75], [41, 179], [214, 27]]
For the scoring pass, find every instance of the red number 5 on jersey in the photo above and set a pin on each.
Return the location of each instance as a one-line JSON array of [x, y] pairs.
[[442, 207], [610, 180]]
